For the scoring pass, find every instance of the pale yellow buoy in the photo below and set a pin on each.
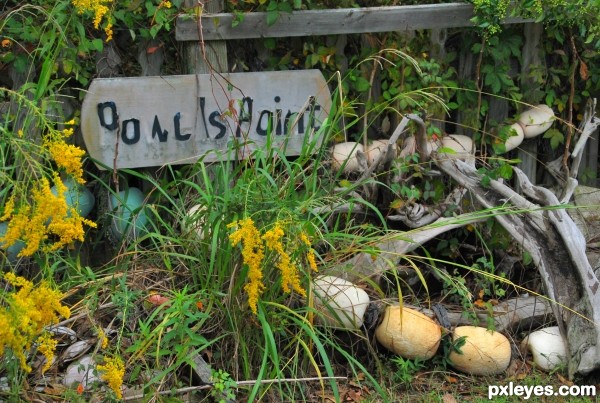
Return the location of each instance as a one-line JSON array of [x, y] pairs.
[[409, 333], [484, 353]]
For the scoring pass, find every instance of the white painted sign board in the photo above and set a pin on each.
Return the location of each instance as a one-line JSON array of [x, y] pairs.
[[152, 121]]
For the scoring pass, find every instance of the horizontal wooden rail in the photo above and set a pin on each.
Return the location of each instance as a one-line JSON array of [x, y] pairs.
[[329, 22]]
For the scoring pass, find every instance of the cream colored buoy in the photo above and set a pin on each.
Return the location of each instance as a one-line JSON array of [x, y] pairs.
[[410, 147], [195, 220], [484, 353], [461, 145], [408, 333], [516, 137], [345, 154], [536, 120], [547, 348], [376, 148], [340, 303]]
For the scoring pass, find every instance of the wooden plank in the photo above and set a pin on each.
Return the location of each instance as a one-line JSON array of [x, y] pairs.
[[329, 22], [151, 121]]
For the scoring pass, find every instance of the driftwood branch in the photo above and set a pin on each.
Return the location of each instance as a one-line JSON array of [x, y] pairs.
[[523, 312], [567, 179], [557, 248], [387, 253]]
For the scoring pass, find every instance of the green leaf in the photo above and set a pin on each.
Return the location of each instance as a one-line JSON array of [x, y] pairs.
[[97, 45], [446, 150], [361, 84], [272, 17], [67, 66], [270, 43], [505, 171], [284, 7], [556, 138]]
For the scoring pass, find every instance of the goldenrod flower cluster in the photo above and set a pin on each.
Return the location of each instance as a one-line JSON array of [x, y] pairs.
[[253, 255], [24, 314], [66, 156], [113, 373], [100, 9], [48, 218]]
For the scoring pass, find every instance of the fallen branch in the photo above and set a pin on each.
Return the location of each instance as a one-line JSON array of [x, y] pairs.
[[520, 312], [387, 253], [238, 385]]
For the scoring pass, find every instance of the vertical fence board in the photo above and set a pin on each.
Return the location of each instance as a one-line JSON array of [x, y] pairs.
[[531, 55], [202, 56]]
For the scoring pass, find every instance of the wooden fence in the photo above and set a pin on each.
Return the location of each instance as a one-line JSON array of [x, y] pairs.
[[207, 37]]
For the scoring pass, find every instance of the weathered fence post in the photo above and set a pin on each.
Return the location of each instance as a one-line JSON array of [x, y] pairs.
[[531, 56], [202, 56]]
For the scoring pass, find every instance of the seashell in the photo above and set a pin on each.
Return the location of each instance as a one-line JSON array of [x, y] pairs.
[[76, 350], [65, 336]]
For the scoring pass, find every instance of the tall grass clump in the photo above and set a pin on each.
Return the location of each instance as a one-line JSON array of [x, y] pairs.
[[230, 253]]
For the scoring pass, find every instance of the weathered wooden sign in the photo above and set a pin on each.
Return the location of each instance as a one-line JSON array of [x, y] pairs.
[[151, 121]]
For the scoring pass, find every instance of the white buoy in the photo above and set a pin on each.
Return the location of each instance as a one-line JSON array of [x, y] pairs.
[[516, 137], [344, 154], [376, 148], [340, 303], [461, 145], [536, 120], [547, 348]]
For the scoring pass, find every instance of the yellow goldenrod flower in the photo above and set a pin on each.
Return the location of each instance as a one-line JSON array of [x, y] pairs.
[[9, 207], [103, 338], [47, 346], [67, 157], [99, 8], [290, 278], [310, 255], [113, 373], [253, 253], [27, 312], [47, 216]]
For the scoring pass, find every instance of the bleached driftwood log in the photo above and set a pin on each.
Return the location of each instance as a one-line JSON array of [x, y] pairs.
[[524, 312], [558, 250]]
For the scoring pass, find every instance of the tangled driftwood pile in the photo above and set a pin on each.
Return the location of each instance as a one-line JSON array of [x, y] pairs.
[[537, 219]]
